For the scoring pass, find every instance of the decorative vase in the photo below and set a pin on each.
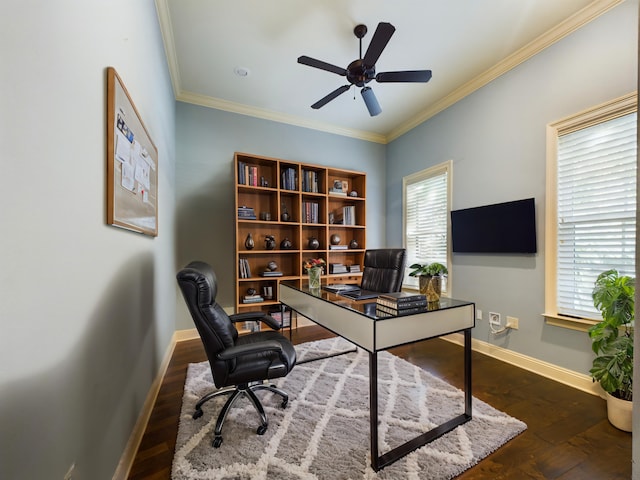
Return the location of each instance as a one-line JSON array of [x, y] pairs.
[[353, 243], [269, 242], [314, 244], [272, 266], [619, 412], [286, 244], [248, 243], [335, 239], [431, 286], [314, 277]]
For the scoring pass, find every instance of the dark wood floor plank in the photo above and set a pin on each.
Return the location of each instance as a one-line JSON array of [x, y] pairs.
[[568, 435]]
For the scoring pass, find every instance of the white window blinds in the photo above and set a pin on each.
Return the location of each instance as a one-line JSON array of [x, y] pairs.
[[596, 209], [426, 218]]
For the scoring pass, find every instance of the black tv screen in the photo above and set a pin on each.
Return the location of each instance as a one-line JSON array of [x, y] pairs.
[[508, 227]]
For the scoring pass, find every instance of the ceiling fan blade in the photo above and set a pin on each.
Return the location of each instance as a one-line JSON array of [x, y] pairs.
[[405, 76], [312, 62], [380, 39], [370, 101], [323, 101]]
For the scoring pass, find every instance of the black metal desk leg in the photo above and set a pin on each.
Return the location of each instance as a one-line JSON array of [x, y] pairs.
[[467, 372], [373, 409]]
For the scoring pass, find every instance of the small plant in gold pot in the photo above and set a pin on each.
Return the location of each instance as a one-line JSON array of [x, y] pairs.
[[430, 277]]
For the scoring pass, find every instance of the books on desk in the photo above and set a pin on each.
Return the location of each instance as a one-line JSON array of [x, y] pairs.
[[397, 302], [382, 311]]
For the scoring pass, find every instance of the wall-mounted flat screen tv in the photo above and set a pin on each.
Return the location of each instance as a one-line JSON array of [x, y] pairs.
[[508, 227]]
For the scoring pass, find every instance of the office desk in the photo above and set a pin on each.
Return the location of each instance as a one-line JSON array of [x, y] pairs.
[[358, 323]]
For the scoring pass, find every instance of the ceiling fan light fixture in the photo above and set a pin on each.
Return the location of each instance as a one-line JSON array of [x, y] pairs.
[[370, 101]]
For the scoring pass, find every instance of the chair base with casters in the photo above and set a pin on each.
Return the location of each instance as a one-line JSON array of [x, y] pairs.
[[245, 389]]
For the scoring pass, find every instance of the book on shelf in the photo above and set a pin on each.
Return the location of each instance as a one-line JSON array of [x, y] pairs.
[[338, 247], [309, 181], [355, 268], [252, 326], [247, 174], [244, 269], [346, 215], [289, 179], [252, 299], [333, 191], [337, 268], [310, 212], [381, 310], [269, 273], [246, 213]]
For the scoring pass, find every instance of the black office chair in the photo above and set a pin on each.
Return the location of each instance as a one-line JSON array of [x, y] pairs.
[[383, 270], [241, 363]]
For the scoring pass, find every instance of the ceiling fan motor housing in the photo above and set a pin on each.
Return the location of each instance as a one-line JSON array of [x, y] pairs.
[[359, 74]]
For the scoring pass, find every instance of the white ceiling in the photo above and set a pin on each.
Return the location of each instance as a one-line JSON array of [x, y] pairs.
[[466, 43]]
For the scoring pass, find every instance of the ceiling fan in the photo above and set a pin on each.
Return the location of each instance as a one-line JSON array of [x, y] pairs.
[[363, 70]]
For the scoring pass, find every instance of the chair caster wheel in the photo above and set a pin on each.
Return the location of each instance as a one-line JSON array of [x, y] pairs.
[[261, 429], [284, 403], [217, 442], [197, 414]]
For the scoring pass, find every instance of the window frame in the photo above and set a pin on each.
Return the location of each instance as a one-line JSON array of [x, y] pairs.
[[601, 113], [433, 171]]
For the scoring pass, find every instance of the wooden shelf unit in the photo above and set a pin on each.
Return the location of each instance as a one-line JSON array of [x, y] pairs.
[[272, 186]]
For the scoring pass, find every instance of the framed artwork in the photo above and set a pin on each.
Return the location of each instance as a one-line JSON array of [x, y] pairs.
[[132, 164]]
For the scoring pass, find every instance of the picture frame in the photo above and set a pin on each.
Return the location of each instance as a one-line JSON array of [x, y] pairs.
[[132, 163]]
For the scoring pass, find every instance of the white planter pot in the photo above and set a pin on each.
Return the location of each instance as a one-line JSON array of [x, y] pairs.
[[619, 413]]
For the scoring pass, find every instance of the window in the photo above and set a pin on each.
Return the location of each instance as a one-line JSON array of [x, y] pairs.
[[426, 201], [591, 207]]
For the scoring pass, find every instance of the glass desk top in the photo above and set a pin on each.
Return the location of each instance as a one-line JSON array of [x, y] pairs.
[[367, 307]]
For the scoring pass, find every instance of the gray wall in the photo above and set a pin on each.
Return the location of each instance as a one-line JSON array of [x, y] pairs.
[[86, 310], [206, 140], [496, 139]]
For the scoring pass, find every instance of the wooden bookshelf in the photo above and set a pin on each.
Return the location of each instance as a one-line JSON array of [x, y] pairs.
[[296, 201]]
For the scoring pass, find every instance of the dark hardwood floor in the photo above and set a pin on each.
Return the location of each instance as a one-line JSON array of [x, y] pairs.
[[568, 435]]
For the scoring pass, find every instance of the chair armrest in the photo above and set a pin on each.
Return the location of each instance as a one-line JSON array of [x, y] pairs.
[[255, 317], [258, 347]]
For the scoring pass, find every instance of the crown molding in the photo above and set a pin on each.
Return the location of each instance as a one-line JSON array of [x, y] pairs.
[[219, 104], [570, 25]]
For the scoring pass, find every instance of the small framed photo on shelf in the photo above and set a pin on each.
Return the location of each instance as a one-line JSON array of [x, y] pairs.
[[345, 186]]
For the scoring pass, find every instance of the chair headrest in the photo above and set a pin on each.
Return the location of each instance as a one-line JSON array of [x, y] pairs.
[[204, 277]]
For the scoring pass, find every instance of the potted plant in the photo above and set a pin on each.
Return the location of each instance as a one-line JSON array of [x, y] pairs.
[[612, 342], [430, 278]]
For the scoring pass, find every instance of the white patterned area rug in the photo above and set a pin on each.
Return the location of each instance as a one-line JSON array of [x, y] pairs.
[[324, 431]]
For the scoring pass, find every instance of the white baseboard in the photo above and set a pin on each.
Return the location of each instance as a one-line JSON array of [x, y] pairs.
[[554, 372], [129, 454]]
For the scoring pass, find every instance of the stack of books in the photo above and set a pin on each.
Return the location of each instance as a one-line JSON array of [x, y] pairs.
[[246, 213], [252, 298], [338, 247], [269, 273], [337, 268], [400, 303], [355, 268]]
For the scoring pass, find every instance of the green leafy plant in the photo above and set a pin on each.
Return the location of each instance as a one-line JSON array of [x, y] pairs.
[[424, 269], [612, 338]]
